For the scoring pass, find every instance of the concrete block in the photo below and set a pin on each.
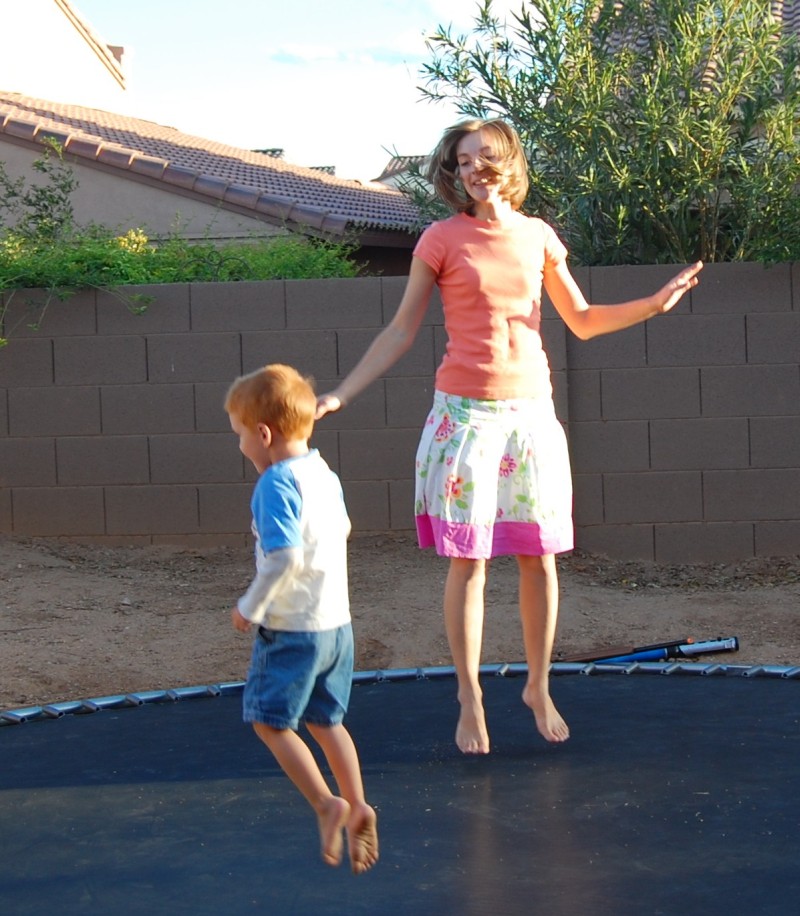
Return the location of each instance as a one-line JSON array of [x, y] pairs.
[[152, 510], [27, 462], [159, 309], [210, 415], [657, 496], [401, 505], [752, 495], [193, 358], [367, 411], [560, 383], [554, 341], [620, 542], [696, 340], [587, 499], [750, 391], [245, 306], [743, 288], [310, 352], [774, 338], [704, 542], [418, 361], [225, 508], [194, 458], [143, 409], [622, 350], [639, 394], [774, 442], [601, 447], [343, 303], [326, 441], [367, 504], [408, 401], [26, 362], [54, 411], [584, 395], [378, 454], [40, 313], [778, 539], [707, 442], [439, 346], [392, 289], [611, 285], [97, 460], [99, 360], [58, 511], [6, 516]]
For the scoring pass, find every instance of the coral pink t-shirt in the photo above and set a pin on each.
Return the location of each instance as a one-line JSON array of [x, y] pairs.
[[490, 276]]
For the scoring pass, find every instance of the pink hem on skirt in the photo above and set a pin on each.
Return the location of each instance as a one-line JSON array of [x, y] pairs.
[[474, 542]]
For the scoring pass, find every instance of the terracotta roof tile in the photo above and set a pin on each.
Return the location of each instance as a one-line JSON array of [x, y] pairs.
[[266, 184]]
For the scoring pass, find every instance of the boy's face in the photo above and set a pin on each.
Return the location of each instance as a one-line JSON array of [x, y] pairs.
[[253, 443]]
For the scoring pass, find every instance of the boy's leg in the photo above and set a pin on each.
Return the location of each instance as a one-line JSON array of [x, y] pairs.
[[362, 823], [463, 617], [538, 605], [296, 760]]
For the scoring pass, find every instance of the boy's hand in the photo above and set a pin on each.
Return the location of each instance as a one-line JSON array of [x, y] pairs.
[[240, 623]]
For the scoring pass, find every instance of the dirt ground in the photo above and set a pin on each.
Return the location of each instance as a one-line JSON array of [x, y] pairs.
[[83, 621]]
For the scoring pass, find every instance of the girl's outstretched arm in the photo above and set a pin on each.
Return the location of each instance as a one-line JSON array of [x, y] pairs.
[[392, 342], [586, 321]]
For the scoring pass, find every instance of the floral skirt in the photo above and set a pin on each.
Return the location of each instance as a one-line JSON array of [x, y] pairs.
[[493, 478]]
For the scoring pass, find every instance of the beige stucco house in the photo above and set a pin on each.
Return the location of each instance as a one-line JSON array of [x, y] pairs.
[[134, 173]]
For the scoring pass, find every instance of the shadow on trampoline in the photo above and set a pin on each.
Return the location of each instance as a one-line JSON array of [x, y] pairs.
[[675, 794]]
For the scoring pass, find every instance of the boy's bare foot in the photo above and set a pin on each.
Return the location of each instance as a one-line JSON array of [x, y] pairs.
[[362, 838], [548, 719], [332, 820], [472, 736]]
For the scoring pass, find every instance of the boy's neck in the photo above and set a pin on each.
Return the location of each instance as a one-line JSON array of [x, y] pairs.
[[282, 449]]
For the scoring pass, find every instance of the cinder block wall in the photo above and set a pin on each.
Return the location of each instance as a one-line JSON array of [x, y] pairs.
[[685, 432]]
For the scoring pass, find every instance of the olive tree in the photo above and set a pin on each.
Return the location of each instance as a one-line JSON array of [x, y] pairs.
[[656, 130]]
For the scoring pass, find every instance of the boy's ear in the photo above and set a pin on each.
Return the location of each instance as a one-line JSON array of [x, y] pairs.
[[265, 433]]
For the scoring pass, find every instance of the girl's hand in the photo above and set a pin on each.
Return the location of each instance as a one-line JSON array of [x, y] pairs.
[[327, 403], [670, 294]]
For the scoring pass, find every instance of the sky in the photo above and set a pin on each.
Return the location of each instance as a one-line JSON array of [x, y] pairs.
[[332, 84]]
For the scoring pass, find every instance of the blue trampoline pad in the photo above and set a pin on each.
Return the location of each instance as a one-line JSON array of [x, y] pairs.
[[676, 794]]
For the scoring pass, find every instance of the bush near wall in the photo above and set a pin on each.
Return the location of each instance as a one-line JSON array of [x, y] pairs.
[[684, 432]]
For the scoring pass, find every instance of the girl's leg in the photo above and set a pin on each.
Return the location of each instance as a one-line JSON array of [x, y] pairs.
[[342, 757], [538, 605], [297, 761], [463, 617]]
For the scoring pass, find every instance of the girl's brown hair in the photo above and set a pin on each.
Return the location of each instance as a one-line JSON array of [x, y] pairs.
[[276, 395], [511, 163]]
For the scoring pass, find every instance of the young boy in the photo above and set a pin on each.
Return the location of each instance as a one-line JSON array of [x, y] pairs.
[[302, 662]]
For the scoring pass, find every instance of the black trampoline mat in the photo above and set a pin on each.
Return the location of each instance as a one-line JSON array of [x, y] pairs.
[[676, 794]]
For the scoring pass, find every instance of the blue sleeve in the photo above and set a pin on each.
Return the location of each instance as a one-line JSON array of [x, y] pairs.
[[276, 506]]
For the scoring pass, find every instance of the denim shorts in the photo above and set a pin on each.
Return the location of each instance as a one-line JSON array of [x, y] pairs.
[[299, 677]]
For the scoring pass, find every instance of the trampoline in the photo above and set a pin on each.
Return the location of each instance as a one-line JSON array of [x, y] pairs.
[[679, 792]]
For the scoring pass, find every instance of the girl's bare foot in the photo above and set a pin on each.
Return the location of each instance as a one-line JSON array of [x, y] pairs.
[[362, 838], [548, 719], [332, 820], [472, 736]]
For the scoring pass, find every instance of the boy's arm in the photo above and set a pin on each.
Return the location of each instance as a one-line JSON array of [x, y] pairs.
[[275, 569], [276, 509]]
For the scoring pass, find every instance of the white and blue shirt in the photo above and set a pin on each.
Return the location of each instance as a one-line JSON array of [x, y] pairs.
[[301, 527]]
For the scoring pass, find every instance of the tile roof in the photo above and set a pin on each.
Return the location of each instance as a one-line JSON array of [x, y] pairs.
[[272, 188]]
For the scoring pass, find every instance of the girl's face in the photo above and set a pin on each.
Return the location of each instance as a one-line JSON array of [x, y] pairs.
[[474, 154]]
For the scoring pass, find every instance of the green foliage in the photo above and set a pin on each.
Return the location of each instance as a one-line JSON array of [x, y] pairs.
[[46, 250], [656, 130]]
